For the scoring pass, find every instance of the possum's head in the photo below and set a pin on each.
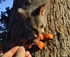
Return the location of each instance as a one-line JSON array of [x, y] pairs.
[[37, 18]]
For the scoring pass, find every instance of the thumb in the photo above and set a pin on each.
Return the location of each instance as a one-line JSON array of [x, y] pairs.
[[11, 52], [20, 52]]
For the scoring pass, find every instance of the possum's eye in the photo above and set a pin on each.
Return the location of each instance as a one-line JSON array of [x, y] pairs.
[[41, 26]]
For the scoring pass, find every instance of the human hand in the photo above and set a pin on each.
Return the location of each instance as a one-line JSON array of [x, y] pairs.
[[19, 51]]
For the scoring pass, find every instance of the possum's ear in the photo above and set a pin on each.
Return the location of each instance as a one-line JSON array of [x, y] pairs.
[[22, 12], [42, 9]]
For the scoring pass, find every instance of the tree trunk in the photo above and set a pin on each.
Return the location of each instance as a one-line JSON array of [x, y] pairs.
[[57, 22]]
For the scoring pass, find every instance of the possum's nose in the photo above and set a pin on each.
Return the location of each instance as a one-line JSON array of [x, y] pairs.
[[42, 30]]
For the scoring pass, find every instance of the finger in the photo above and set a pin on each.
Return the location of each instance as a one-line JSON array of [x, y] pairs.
[[27, 54], [20, 52], [11, 52]]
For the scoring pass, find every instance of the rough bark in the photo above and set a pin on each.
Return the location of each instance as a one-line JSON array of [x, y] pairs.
[[57, 23]]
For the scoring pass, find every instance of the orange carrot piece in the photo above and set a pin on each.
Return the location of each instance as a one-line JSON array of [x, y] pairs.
[[24, 41], [40, 44], [48, 36]]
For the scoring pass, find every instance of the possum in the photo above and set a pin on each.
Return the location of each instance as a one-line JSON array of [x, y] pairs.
[[37, 18]]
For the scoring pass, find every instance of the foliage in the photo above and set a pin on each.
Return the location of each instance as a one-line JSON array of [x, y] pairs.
[[4, 20], [1, 1], [5, 16]]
